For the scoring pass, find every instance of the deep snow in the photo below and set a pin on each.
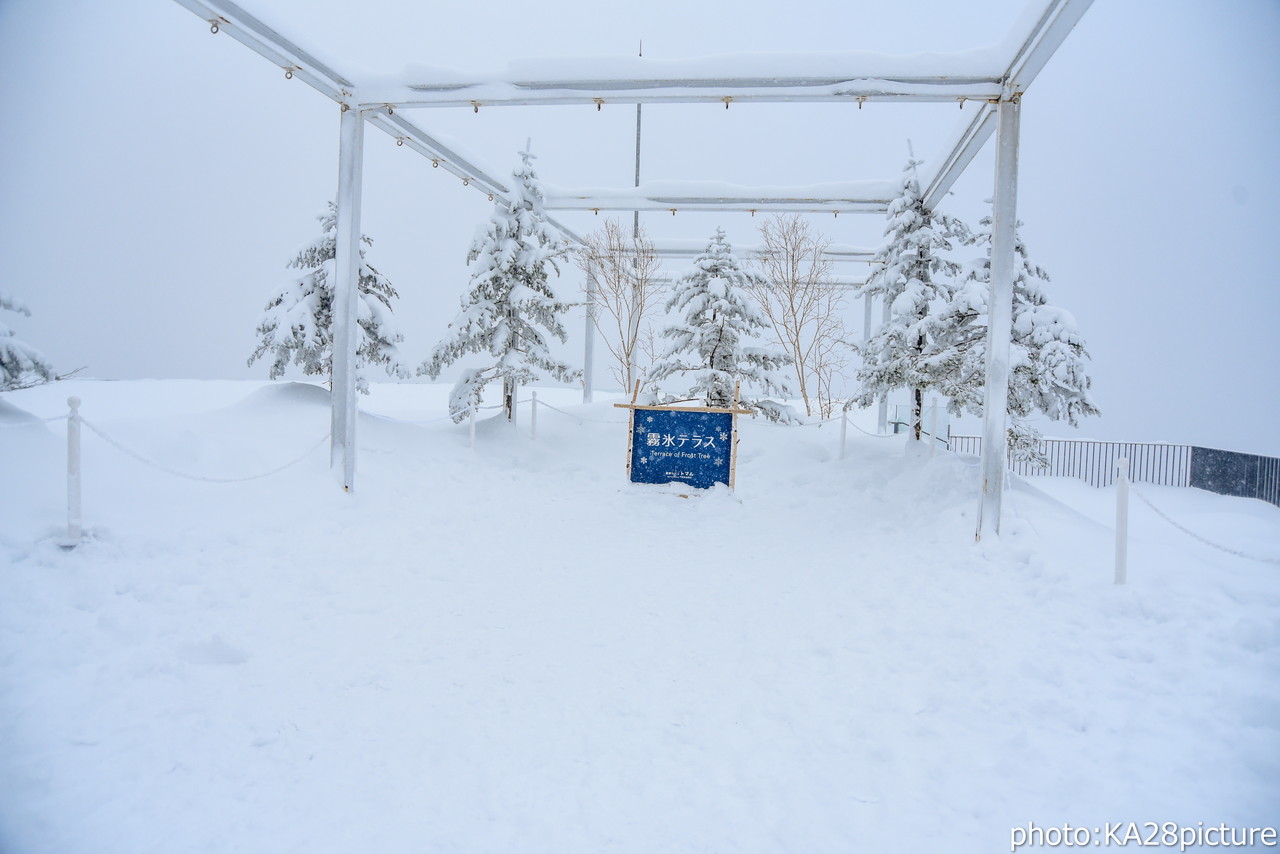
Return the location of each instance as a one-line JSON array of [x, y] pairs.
[[511, 648]]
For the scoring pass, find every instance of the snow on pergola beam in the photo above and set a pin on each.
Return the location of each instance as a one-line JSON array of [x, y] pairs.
[[859, 197], [1043, 40], [732, 82]]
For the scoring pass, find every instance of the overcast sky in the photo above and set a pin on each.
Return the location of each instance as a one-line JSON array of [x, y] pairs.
[[157, 178]]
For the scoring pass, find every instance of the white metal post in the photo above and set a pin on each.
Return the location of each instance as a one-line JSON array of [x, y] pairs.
[[882, 414], [933, 427], [589, 343], [868, 303], [347, 264], [1122, 520], [1000, 319], [73, 473], [533, 416]]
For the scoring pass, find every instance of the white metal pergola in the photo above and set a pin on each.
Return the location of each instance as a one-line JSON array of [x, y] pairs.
[[995, 93]]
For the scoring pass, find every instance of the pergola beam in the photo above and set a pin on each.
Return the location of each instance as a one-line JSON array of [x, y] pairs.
[[685, 91], [1044, 39], [245, 28], [864, 197], [1059, 18], [404, 131], [733, 204]]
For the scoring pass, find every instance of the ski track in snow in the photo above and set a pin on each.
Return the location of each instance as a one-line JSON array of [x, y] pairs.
[[511, 648]]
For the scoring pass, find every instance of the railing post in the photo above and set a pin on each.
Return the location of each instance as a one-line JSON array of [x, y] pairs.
[[844, 430], [73, 474], [533, 416], [1122, 519]]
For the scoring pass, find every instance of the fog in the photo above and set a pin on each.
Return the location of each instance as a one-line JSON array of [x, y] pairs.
[[157, 177]]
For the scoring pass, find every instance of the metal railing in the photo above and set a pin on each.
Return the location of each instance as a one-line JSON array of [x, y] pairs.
[[1095, 462], [1234, 473], [1222, 472]]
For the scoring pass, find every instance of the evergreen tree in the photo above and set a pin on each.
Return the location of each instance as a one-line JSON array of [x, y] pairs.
[[21, 365], [298, 325], [510, 302], [1047, 354], [916, 282], [710, 343]]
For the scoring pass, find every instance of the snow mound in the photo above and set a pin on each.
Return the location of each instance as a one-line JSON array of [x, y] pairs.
[[10, 414], [284, 395]]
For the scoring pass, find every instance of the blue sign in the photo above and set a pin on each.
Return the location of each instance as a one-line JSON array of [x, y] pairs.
[[690, 447]]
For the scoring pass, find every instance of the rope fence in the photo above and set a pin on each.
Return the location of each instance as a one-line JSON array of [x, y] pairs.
[[27, 422], [202, 478], [1194, 535]]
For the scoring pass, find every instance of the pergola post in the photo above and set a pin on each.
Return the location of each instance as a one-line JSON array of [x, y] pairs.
[[999, 318], [347, 270]]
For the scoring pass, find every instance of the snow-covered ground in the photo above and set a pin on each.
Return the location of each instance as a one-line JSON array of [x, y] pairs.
[[509, 648]]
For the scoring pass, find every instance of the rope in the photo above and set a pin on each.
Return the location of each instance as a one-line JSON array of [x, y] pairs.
[[176, 473], [579, 418], [873, 435], [34, 421], [416, 421], [1196, 536], [427, 420]]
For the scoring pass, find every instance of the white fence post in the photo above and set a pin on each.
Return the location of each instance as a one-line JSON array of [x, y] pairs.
[[73, 474], [1122, 519], [472, 442], [844, 430], [933, 427], [533, 416]]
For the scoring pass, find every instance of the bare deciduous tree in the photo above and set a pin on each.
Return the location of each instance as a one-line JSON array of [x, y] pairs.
[[622, 271], [804, 305]]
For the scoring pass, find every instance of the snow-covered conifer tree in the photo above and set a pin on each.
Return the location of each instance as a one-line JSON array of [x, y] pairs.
[[21, 365], [1047, 354], [298, 325], [510, 302], [710, 343], [916, 282]]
